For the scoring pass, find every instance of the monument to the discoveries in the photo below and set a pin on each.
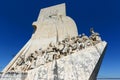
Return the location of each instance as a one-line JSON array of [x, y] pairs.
[[56, 51]]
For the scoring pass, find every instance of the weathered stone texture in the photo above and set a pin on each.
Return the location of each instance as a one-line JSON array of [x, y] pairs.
[[76, 55], [77, 66]]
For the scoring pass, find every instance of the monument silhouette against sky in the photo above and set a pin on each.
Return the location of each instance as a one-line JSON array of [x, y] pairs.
[[55, 51]]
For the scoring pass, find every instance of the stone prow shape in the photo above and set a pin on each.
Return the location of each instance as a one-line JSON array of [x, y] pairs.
[[77, 66], [47, 29]]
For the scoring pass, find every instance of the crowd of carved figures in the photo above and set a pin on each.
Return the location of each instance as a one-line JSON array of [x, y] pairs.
[[56, 50]]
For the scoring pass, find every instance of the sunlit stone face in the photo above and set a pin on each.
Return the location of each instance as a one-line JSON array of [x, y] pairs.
[[55, 51]]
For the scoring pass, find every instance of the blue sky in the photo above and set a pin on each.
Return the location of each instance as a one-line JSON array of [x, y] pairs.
[[16, 17]]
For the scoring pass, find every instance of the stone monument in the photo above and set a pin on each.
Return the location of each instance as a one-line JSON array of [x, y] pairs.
[[56, 51]]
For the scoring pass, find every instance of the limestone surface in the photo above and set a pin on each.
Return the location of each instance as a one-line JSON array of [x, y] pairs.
[[77, 66], [52, 25], [56, 51]]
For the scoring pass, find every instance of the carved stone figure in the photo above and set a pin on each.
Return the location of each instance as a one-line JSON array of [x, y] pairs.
[[50, 48], [33, 64], [59, 46], [65, 50], [73, 46], [31, 57], [45, 56], [95, 36], [82, 45], [36, 53], [72, 40], [40, 60], [13, 69], [40, 52], [88, 43], [50, 56], [67, 39], [26, 66], [21, 60], [78, 45], [84, 37]]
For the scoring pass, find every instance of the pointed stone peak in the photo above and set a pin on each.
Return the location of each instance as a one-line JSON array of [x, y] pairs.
[[56, 10]]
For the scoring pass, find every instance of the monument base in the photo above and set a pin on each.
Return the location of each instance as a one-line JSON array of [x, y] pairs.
[[77, 66]]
